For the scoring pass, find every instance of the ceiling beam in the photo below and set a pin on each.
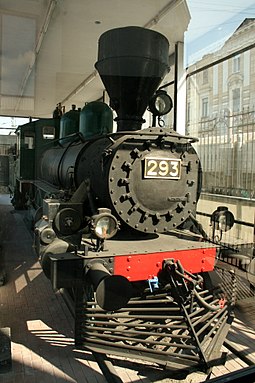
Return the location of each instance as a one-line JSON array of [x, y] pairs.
[[41, 36], [172, 4]]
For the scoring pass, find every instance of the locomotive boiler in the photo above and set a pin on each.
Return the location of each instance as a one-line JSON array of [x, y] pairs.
[[149, 179], [115, 218]]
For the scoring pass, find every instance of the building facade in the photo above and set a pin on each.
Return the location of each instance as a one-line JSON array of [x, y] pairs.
[[221, 113]]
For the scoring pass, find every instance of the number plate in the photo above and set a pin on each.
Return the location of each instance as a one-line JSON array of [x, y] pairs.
[[169, 168]]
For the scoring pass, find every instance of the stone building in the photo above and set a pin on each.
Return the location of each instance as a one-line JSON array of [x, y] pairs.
[[221, 113]]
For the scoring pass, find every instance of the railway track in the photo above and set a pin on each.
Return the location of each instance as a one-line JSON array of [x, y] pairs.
[[136, 371], [124, 370], [147, 373]]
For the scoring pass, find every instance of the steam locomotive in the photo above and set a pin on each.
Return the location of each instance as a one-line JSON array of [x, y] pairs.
[[115, 219]]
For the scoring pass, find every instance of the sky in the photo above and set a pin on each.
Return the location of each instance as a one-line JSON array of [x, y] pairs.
[[8, 125], [212, 23]]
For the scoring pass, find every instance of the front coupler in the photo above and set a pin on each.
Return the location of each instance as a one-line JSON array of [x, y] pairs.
[[207, 314]]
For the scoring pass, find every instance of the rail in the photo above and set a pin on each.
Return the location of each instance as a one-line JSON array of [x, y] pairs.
[[245, 375]]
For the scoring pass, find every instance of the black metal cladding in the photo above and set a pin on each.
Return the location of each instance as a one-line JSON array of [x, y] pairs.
[[117, 180], [115, 168], [132, 61]]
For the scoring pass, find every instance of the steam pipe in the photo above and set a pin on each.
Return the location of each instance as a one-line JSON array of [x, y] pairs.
[[112, 291]]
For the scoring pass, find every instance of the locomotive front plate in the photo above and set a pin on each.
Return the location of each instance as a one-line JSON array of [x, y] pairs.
[[168, 168]]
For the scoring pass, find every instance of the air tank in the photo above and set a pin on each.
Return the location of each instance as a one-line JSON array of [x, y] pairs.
[[96, 118], [69, 123], [132, 61]]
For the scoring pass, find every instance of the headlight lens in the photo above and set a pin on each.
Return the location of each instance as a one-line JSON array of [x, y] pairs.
[[160, 103], [222, 219], [104, 224]]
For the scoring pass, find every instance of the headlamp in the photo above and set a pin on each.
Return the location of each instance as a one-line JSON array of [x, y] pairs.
[[222, 219], [160, 103], [104, 225]]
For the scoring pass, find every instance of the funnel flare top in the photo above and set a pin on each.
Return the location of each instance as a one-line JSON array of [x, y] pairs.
[[132, 61]]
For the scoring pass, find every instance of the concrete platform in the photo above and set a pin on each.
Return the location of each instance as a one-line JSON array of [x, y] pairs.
[[41, 326]]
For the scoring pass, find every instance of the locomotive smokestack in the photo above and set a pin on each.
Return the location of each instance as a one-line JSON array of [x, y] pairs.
[[132, 61]]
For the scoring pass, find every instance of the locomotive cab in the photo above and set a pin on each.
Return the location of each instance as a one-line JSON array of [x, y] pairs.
[[33, 139]]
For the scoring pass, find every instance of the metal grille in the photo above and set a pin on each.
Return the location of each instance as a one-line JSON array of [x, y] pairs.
[[227, 152], [221, 113], [176, 332]]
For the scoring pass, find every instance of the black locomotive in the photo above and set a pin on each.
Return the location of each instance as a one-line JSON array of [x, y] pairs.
[[113, 215]]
